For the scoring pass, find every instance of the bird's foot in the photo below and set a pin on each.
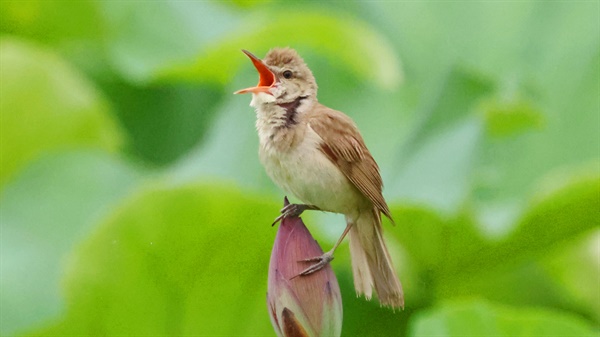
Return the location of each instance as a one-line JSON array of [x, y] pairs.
[[321, 261], [293, 210]]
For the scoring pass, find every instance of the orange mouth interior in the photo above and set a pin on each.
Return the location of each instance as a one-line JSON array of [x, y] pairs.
[[266, 77]]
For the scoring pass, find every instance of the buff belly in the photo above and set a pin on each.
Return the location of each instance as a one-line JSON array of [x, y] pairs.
[[309, 175]]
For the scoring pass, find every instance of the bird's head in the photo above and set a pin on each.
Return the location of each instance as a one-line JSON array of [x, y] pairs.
[[283, 75]]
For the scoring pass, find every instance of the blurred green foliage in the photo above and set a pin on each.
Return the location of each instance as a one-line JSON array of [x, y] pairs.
[[132, 201]]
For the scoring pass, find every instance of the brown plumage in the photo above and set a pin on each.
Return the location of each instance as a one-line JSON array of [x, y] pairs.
[[318, 155], [344, 146]]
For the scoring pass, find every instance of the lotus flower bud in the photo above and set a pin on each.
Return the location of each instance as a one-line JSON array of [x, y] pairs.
[[308, 305]]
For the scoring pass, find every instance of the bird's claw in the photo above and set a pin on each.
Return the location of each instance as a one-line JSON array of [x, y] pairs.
[[291, 210], [322, 261]]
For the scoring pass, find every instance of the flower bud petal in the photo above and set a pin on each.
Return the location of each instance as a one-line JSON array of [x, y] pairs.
[[308, 305], [291, 326]]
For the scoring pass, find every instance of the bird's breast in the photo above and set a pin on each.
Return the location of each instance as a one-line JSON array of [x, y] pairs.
[[300, 168]]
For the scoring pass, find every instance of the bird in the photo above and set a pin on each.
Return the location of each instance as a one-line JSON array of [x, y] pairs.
[[318, 155]]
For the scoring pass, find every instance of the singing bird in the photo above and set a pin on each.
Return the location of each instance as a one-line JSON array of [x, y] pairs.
[[318, 155]]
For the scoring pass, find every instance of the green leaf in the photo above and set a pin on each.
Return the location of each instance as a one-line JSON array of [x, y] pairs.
[[381, 320], [187, 260], [563, 214], [50, 206], [551, 47], [439, 156], [577, 268], [561, 64], [200, 41], [55, 21], [480, 318], [376, 62], [507, 118], [456, 100], [164, 121], [46, 105], [455, 258], [229, 152], [142, 40]]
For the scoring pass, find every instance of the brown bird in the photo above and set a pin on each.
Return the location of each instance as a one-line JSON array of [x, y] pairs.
[[318, 155]]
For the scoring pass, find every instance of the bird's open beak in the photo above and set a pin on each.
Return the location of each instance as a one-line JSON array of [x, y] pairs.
[[266, 80]]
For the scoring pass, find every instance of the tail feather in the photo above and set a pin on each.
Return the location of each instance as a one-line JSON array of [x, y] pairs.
[[371, 263]]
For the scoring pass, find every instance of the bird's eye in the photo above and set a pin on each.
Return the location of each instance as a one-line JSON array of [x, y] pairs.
[[287, 74]]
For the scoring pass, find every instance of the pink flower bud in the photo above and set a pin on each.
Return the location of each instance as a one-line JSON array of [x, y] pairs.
[[308, 305]]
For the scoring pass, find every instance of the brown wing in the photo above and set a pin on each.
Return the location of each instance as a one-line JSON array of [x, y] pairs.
[[344, 146]]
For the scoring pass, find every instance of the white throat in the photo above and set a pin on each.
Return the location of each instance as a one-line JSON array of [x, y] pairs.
[[271, 115]]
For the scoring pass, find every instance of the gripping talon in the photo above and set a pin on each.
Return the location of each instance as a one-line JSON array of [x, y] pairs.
[[292, 210], [322, 261], [313, 259], [277, 219]]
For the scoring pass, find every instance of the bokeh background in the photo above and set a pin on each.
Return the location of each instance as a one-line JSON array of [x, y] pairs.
[[133, 203]]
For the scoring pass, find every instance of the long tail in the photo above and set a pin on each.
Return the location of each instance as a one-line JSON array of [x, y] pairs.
[[371, 263]]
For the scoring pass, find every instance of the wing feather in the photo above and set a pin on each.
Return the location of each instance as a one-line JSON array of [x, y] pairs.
[[344, 146]]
